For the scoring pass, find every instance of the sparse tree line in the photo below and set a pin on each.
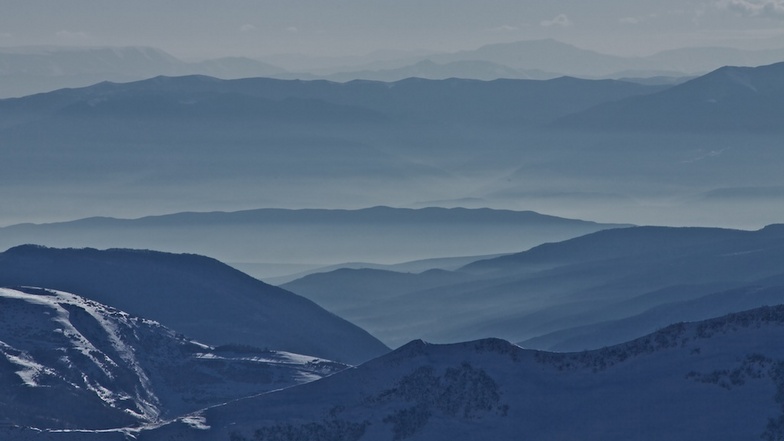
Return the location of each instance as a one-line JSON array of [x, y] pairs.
[[676, 335], [460, 392], [753, 367]]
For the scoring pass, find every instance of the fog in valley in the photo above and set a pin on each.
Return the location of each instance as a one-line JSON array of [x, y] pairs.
[[371, 221]]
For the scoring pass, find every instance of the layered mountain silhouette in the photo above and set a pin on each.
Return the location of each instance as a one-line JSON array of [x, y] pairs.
[[521, 102], [227, 136], [28, 70], [263, 142], [583, 293], [548, 55], [623, 332], [314, 235], [553, 56], [196, 295], [745, 99], [428, 69]]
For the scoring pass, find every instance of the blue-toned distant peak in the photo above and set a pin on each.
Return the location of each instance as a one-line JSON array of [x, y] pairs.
[[647, 241], [515, 103], [740, 99]]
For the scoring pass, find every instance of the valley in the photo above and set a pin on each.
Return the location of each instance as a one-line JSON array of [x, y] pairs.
[[520, 239]]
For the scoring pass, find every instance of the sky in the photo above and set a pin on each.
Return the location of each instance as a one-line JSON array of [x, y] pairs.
[[198, 29]]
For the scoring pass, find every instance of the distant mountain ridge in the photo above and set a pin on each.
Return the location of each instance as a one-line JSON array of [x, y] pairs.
[[519, 102], [626, 243], [28, 70], [318, 236], [144, 147], [748, 99], [378, 214], [195, 136], [548, 55], [553, 56], [428, 69], [730, 98], [64, 61], [582, 293], [196, 295]]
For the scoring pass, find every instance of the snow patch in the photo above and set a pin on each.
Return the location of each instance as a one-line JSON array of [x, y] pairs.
[[196, 421], [30, 370], [56, 303]]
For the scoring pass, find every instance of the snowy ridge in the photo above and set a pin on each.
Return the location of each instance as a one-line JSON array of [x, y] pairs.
[[75, 364], [59, 306], [678, 335], [718, 380]]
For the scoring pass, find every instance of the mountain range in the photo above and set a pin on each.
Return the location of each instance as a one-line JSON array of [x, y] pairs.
[[728, 99], [251, 238], [717, 378], [74, 367], [553, 56], [732, 98], [506, 323], [431, 70], [253, 141], [522, 102], [195, 295], [596, 290], [28, 70], [568, 147]]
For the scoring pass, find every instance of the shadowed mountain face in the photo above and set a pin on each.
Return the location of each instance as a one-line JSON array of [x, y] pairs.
[[748, 99], [611, 286], [67, 362], [716, 379], [196, 295]]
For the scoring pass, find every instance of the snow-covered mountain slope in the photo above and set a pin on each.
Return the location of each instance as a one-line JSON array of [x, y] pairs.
[[196, 295], [68, 362], [713, 380]]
